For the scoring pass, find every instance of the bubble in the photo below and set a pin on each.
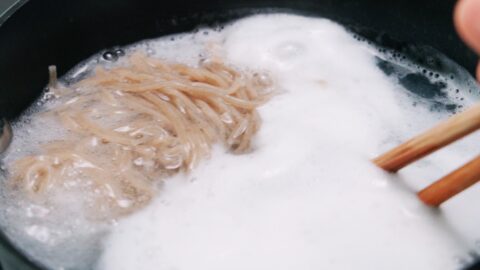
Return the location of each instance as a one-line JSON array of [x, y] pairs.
[[109, 56], [113, 55], [119, 52], [262, 79]]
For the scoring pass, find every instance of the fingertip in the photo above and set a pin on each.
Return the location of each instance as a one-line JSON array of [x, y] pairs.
[[457, 15], [467, 22]]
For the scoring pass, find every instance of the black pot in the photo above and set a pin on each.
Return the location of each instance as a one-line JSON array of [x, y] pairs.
[[36, 34]]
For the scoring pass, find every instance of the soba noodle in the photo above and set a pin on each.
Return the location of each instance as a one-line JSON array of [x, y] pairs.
[[132, 125]]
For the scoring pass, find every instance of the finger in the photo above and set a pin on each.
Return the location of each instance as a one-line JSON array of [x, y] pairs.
[[478, 72], [467, 22]]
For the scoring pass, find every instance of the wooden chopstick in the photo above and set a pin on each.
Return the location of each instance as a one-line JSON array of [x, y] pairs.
[[452, 184], [441, 135]]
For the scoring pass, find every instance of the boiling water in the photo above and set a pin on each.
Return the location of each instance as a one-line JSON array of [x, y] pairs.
[[308, 196]]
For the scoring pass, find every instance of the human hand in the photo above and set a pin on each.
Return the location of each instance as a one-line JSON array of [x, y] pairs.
[[467, 22]]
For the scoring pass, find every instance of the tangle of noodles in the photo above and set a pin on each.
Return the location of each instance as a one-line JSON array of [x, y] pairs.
[[135, 124]]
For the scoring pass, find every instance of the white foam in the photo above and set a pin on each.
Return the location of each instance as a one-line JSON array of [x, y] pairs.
[[308, 197]]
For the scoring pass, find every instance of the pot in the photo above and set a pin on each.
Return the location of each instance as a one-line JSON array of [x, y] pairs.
[[36, 34]]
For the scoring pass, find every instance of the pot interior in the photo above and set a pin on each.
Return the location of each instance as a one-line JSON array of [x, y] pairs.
[[41, 33]]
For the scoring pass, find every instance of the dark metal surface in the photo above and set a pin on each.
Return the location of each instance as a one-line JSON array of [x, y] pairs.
[[64, 32]]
